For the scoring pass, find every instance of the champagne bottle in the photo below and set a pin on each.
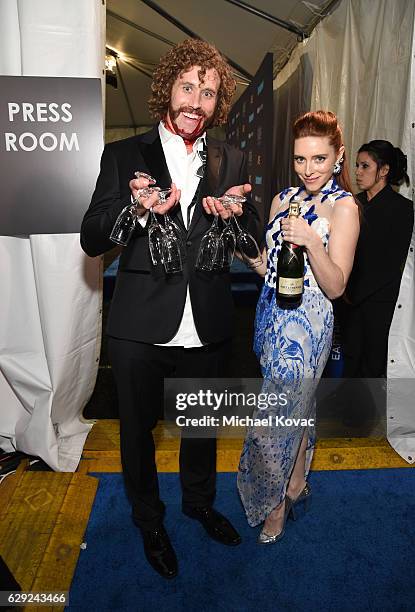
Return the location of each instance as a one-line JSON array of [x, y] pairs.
[[290, 269]]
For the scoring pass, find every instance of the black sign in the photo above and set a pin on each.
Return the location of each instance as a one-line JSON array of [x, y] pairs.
[[51, 139], [250, 128]]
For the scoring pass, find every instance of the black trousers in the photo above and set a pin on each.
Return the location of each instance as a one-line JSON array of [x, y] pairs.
[[365, 331], [139, 370]]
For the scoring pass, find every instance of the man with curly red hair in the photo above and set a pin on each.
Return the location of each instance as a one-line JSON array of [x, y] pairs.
[[163, 325]]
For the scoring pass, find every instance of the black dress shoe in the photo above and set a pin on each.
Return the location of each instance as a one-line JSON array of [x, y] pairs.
[[217, 526], [159, 552]]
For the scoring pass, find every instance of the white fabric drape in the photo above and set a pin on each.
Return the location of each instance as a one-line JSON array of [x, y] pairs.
[[358, 63], [401, 356], [50, 310]]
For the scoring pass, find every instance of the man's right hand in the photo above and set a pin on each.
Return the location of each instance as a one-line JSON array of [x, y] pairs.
[[145, 203]]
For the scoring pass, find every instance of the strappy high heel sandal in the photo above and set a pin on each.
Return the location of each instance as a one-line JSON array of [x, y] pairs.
[[266, 538], [301, 504]]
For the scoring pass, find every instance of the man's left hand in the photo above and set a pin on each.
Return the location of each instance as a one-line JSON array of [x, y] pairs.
[[214, 207]]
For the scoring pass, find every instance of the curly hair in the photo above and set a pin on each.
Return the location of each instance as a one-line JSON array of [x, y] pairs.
[[182, 58]]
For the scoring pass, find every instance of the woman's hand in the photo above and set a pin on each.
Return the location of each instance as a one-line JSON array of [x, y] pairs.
[[298, 231]]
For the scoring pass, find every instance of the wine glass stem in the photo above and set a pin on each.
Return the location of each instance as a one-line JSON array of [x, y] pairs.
[[238, 227]]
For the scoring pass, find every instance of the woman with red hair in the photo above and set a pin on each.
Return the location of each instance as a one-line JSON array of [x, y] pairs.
[[293, 344]]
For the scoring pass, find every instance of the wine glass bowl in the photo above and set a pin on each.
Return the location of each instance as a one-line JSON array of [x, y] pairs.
[[208, 249], [169, 224], [124, 225], [126, 221], [228, 239], [165, 242], [171, 256], [245, 242], [155, 240], [247, 246]]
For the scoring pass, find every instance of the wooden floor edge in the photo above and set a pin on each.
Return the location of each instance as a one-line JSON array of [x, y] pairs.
[[64, 547], [9, 486], [325, 458], [101, 452]]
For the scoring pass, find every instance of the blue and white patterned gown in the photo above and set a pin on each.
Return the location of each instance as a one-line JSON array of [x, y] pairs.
[[293, 347]]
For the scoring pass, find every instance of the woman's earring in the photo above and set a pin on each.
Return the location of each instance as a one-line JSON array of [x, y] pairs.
[[337, 167]]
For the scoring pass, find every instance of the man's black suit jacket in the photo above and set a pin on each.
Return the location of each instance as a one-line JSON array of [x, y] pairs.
[[147, 305]]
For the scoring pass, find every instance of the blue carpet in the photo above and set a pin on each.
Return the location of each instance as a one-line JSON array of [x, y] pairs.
[[353, 551]]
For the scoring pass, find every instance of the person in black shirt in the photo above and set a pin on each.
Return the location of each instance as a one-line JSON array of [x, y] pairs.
[[373, 288]]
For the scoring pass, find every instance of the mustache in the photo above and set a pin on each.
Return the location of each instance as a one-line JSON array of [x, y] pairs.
[[188, 109]]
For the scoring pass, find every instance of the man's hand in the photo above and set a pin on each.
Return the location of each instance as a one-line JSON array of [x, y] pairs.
[[214, 207], [152, 201]]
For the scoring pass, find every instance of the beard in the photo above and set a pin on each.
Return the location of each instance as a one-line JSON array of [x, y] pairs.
[[202, 124]]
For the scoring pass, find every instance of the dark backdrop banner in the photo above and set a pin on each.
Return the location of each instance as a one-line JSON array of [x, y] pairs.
[[51, 139], [250, 128]]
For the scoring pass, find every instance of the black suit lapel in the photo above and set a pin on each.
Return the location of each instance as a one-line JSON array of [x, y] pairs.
[[156, 162], [210, 182], [214, 167], [153, 155]]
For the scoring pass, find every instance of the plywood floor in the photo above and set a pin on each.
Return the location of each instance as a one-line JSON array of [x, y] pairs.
[[101, 452]]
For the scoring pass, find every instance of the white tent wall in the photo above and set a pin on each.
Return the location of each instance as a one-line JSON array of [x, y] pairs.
[[50, 311], [401, 355], [358, 63]]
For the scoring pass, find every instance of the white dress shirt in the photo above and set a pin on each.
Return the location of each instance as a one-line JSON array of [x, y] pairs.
[[182, 168]]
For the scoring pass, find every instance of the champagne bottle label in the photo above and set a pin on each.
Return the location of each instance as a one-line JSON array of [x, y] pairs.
[[290, 286]]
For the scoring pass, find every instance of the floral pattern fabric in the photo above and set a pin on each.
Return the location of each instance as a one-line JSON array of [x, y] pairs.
[[292, 347]]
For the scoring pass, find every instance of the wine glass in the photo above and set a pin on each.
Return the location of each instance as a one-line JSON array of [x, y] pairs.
[[169, 224], [171, 255], [173, 239], [164, 246], [245, 242], [164, 242], [226, 247], [155, 240], [124, 225], [209, 245], [126, 221], [228, 239], [219, 261], [247, 246]]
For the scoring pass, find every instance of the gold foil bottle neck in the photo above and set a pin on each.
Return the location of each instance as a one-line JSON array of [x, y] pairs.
[[294, 210]]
